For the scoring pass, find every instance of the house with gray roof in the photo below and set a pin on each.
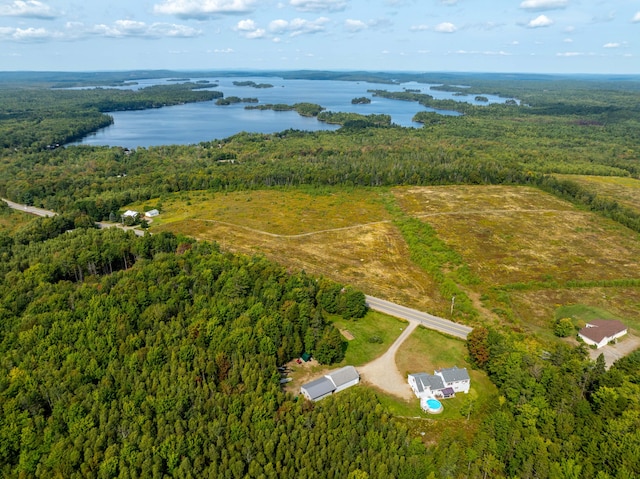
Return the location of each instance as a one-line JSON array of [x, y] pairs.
[[456, 378], [442, 384], [330, 383]]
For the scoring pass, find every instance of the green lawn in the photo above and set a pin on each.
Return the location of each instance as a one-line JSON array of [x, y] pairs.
[[425, 351], [365, 346], [583, 313]]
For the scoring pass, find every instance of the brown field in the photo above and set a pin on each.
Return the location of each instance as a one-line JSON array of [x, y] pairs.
[[505, 234], [510, 235], [625, 191]]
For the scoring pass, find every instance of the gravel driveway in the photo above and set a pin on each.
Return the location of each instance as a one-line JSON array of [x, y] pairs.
[[613, 352], [383, 373]]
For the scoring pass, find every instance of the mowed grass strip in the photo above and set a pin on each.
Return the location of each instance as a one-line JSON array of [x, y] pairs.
[[624, 190]]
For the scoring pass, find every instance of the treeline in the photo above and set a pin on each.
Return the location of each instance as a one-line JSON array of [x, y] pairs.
[[40, 118], [303, 109], [160, 359], [559, 414]]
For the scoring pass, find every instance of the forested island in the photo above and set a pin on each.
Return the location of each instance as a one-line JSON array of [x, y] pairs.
[[158, 355]]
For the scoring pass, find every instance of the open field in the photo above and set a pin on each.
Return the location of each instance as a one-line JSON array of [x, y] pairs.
[[624, 190], [506, 235]]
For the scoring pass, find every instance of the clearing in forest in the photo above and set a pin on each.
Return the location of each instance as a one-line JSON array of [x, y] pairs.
[[525, 241]]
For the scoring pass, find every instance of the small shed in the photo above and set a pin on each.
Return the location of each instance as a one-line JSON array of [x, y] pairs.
[[130, 214], [151, 213], [306, 357]]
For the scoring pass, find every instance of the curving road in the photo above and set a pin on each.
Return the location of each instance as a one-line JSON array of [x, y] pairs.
[[42, 212], [29, 209], [425, 319]]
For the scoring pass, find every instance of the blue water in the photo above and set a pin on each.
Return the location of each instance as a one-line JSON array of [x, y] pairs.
[[434, 404], [196, 122]]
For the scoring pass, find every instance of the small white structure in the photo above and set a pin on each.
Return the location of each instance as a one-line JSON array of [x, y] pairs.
[[151, 213], [601, 332], [330, 383], [130, 214], [444, 383]]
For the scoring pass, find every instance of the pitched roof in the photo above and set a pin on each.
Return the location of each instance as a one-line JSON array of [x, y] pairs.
[[424, 381], [343, 375], [319, 387], [598, 329], [454, 374]]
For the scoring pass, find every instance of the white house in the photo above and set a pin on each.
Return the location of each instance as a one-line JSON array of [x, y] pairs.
[[601, 332], [332, 382], [456, 378], [151, 213], [443, 383], [130, 214]]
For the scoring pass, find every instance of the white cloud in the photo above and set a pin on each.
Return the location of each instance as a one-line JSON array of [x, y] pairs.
[[134, 29], [249, 29], [298, 26], [539, 22], [355, 25], [568, 40], [570, 54], [611, 45], [27, 35], [29, 8], [445, 27], [119, 29], [419, 28], [203, 8], [318, 5], [486, 52], [636, 18], [543, 4]]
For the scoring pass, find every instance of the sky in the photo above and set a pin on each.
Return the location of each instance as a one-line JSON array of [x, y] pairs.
[[519, 36]]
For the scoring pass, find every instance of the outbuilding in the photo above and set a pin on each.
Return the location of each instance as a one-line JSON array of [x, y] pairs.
[[332, 382], [601, 332]]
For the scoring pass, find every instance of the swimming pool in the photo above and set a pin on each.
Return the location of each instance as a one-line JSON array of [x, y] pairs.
[[432, 406]]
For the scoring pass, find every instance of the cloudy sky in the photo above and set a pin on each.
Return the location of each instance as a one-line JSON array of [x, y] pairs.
[[541, 36]]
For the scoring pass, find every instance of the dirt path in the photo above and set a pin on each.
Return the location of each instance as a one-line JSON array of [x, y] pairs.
[[383, 373]]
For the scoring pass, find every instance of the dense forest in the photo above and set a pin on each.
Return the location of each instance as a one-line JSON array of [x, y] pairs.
[[157, 356]]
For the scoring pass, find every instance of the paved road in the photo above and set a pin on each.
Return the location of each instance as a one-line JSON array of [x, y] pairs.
[[426, 319], [29, 209], [42, 212]]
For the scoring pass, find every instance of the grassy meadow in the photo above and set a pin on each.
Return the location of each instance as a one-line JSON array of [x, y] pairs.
[[624, 190], [532, 252]]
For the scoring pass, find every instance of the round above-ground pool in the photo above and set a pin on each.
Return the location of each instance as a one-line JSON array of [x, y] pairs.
[[432, 406]]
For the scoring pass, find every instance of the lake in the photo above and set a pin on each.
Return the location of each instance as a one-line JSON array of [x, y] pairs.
[[205, 121]]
